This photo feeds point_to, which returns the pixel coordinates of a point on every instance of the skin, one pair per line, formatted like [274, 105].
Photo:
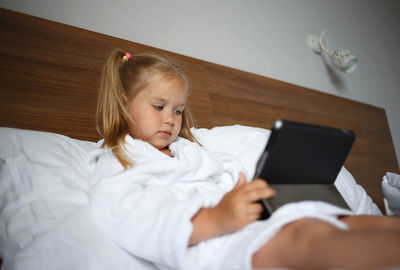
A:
[156, 112]
[237, 209]
[372, 242]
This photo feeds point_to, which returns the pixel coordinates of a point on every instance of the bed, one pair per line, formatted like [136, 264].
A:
[49, 77]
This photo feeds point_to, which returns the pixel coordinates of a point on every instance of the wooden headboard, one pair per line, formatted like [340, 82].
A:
[49, 76]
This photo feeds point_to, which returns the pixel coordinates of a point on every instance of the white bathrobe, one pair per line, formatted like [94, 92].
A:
[147, 210]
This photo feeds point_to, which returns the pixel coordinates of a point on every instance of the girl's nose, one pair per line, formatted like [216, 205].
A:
[169, 118]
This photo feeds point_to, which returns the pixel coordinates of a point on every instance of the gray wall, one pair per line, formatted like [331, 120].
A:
[266, 37]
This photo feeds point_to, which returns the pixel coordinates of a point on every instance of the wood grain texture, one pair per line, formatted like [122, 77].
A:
[49, 75]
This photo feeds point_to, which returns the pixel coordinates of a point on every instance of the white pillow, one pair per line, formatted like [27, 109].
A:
[244, 142]
[40, 183]
[391, 191]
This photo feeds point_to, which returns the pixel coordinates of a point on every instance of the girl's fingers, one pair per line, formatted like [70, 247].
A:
[241, 181]
[259, 183]
[255, 185]
[254, 209]
[256, 194]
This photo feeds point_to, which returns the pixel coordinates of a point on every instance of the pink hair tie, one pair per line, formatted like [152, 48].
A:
[126, 57]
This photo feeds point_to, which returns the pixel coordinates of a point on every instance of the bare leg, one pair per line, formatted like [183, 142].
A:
[372, 222]
[314, 244]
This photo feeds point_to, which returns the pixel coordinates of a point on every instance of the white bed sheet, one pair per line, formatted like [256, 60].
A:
[45, 220]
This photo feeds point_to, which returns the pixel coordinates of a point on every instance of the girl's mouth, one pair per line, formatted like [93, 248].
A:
[165, 133]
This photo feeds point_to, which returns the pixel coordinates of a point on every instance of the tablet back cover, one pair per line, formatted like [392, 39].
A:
[303, 153]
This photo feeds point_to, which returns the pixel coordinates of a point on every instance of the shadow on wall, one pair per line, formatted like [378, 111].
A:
[335, 77]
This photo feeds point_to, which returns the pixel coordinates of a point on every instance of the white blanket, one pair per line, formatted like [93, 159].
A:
[46, 220]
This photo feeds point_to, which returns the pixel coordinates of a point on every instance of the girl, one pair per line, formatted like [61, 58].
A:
[173, 205]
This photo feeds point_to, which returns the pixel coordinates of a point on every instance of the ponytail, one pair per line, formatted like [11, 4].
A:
[111, 112]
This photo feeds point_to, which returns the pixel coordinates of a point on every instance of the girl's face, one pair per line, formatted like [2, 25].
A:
[156, 111]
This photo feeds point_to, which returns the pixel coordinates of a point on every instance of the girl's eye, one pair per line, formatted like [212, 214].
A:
[178, 112]
[158, 107]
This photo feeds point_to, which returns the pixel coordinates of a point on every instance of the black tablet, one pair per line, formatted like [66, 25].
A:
[303, 153]
[301, 162]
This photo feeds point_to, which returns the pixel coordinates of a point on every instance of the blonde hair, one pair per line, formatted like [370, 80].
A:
[126, 78]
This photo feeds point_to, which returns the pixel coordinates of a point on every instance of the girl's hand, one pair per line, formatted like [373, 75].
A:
[239, 207]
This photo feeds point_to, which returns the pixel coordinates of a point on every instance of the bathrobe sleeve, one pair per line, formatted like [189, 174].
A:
[151, 222]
